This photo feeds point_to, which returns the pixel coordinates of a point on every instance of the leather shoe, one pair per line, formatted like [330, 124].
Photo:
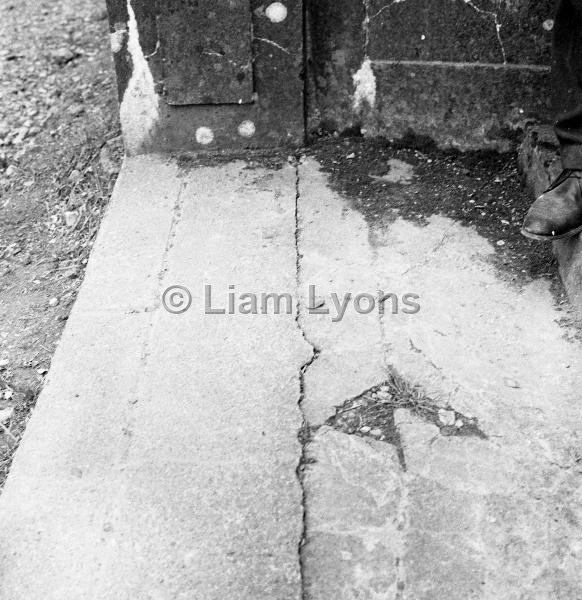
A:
[557, 213]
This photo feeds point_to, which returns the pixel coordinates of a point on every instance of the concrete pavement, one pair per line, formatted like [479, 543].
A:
[197, 456]
[161, 460]
[468, 517]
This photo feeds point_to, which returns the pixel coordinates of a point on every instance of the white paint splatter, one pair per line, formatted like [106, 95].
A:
[247, 129]
[118, 37]
[140, 106]
[365, 83]
[276, 12]
[204, 135]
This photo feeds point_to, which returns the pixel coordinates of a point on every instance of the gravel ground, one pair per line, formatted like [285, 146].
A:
[59, 153]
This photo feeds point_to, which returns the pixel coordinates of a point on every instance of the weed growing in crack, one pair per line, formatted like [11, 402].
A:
[372, 414]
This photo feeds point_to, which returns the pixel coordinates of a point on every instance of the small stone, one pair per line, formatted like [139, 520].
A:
[5, 269]
[71, 273]
[501, 243]
[63, 55]
[459, 423]
[376, 433]
[75, 176]
[6, 414]
[107, 160]
[76, 109]
[75, 200]
[20, 135]
[71, 217]
[365, 429]
[25, 258]
[351, 156]
[53, 302]
[447, 417]
[99, 15]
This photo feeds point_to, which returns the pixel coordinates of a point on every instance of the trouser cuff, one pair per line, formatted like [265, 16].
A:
[571, 156]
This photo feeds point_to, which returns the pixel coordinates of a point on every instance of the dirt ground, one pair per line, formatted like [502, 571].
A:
[59, 155]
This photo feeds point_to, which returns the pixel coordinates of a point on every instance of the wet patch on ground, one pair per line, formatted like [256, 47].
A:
[372, 414]
[478, 189]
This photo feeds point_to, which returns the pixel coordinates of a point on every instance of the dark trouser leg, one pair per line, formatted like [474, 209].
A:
[567, 81]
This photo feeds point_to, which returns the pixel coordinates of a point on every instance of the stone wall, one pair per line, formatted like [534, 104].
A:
[465, 73]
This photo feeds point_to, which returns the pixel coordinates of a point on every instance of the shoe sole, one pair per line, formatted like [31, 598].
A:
[551, 238]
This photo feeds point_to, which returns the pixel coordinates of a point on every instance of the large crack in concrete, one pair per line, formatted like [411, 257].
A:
[419, 462]
[304, 433]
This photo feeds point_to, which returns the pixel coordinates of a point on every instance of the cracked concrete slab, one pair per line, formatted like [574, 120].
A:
[486, 517]
[161, 460]
[335, 258]
[353, 538]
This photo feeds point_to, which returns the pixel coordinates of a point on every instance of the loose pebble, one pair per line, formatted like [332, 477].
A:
[447, 417]
[6, 414]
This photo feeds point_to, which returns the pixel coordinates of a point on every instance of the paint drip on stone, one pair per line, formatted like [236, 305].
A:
[118, 37]
[365, 84]
[140, 105]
